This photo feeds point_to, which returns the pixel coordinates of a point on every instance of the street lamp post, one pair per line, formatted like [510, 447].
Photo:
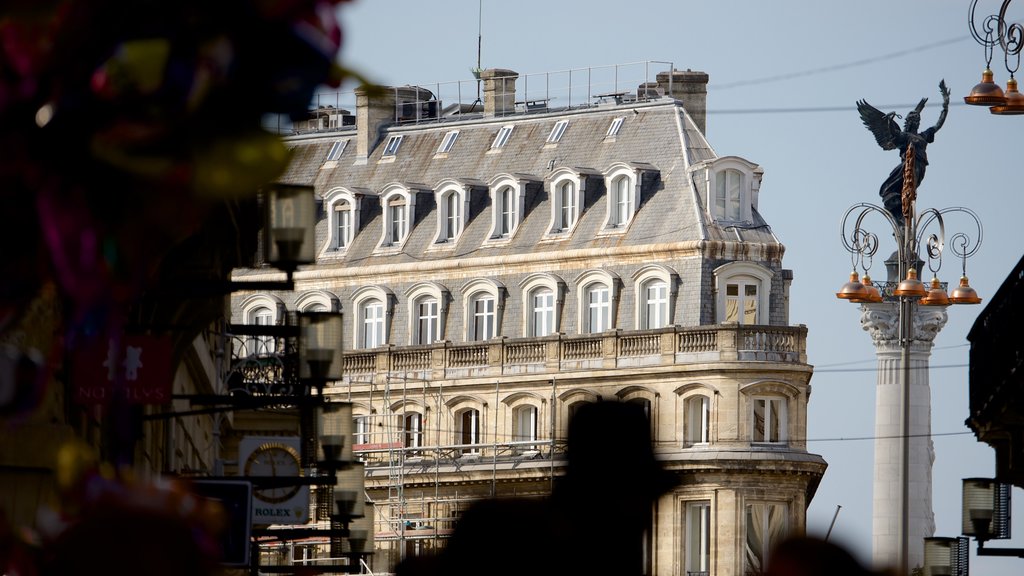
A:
[908, 294]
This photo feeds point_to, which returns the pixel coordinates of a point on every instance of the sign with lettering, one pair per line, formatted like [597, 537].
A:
[135, 368]
[274, 456]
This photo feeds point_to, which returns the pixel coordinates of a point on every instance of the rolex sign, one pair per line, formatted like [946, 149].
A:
[274, 457]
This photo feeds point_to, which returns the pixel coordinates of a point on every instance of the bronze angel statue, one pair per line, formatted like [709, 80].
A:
[889, 136]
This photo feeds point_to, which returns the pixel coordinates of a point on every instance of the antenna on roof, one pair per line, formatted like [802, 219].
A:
[479, 43]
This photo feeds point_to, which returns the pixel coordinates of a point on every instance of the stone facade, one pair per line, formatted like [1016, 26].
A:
[489, 287]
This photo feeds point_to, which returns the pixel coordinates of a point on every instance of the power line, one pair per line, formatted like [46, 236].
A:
[936, 366]
[808, 109]
[835, 67]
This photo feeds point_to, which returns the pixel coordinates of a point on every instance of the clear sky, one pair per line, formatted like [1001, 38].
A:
[784, 79]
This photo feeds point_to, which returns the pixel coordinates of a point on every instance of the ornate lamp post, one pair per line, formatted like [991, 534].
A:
[996, 31]
[903, 319]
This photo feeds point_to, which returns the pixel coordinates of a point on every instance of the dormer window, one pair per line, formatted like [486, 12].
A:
[623, 183]
[448, 142]
[743, 293]
[557, 131]
[398, 210]
[502, 138]
[621, 200]
[343, 225]
[392, 146]
[505, 211]
[567, 192]
[452, 200]
[342, 208]
[728, 184]
[398, 220]
[336, 150]
[729, 188]
[613, 129]
[567, 205]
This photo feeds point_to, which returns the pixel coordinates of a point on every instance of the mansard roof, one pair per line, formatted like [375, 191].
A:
[658, 139]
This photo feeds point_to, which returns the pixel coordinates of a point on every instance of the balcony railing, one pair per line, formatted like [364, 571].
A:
[560, 352]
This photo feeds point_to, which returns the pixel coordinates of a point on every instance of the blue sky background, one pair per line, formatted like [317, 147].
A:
[784, 79]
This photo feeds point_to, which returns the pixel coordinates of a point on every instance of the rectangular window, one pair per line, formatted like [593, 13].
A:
[470, 430]
[508, 211]
[766, 527]
[622, 202]
[543, 313]
[413, 430]
[502, 138]
[362, 430]
[741, 309]
[428, 322]
[453, 219]
[656, 300]
[447, 142]
[398, 223]
[567, 198]
[727, 195]
[343, 232]
[483, 319]
[557, 131]
[336, 150]
[392, 146]
[613, 130]
[697, 546]
[373, 324]
[768, 421]
[600, 308]
[698, 420]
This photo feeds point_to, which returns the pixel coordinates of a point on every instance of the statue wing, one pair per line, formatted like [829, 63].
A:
[881, 125]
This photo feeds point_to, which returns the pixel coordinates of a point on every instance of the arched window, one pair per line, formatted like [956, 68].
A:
[524, 426]
[261, 345]
[371, 313]
[743, 293]
[543, 298]
[343, 218]
[655, 288]
[467, 423]
[622, 202]
[728, 184]
[697, 420]
[506, 211]
[599, 308]
[453, 218]
[428, 320]
[412, 427]
[483, 309]
[542, 312]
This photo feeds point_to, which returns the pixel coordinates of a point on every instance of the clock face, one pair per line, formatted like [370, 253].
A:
[274, 459]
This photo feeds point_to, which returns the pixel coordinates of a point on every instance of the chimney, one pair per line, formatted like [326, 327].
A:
[381, 106]
[690, 88]
[499, 91]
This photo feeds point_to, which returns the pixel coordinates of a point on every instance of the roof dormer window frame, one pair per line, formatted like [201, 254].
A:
[508, 199]
[731, 189]
[614, 127]
[398, 207]
[341, 203]
[391, 148]
[337, 149]
[449, 195]
[623, 185]
[447, 143]
[557, 131]
[564, 218]
[502, 137]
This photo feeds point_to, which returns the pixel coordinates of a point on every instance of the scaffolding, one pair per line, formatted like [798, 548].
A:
[420, 491]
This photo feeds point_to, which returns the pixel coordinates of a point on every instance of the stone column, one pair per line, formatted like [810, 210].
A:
[882, 322]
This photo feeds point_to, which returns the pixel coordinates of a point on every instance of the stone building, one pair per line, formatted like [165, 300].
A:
[497, 264]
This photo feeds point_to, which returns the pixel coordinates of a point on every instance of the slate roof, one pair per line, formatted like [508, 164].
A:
[659, 134]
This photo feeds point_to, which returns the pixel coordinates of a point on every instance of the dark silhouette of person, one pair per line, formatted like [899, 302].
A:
[594, 521]
[807, 556]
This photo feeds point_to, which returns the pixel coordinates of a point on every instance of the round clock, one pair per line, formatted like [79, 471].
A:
[274, 459]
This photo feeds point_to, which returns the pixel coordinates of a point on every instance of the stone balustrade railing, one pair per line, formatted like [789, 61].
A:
[611, 349]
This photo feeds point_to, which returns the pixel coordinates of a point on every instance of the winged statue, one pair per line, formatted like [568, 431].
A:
[890, 136]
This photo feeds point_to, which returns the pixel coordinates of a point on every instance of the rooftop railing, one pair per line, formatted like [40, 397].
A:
[613, 84]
